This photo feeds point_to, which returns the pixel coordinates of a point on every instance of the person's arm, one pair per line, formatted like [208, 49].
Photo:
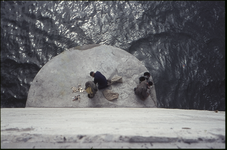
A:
[95, 81]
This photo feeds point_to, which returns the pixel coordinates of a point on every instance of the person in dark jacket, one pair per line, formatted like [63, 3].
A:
[142, 89]
[100, 79]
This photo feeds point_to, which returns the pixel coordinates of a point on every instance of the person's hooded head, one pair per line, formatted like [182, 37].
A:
[150, 83]
[142, 79]
[92, 74]
[147, 74]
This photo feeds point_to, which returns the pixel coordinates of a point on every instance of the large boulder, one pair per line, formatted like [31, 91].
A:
[52, 85]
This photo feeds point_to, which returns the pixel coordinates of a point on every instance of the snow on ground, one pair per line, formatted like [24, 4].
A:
[111, 128]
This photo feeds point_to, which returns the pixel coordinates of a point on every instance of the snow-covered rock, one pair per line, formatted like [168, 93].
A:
[52, 85]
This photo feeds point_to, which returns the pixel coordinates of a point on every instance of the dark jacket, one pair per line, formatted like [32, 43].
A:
[141, 90]
[100, 79]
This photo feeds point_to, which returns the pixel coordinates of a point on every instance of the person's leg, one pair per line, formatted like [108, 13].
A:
[109, 82]
[102, 87]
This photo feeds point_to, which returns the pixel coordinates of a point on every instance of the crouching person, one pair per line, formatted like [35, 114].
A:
[91, 89]
[142, 90]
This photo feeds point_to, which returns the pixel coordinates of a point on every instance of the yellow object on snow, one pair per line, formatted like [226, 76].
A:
[89, 91]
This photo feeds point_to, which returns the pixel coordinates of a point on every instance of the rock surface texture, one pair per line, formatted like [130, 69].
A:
[52, 85]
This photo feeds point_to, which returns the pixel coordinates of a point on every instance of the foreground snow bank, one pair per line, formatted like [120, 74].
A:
[111, 128]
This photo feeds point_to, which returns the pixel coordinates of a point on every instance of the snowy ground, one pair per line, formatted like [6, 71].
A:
[111, 128]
